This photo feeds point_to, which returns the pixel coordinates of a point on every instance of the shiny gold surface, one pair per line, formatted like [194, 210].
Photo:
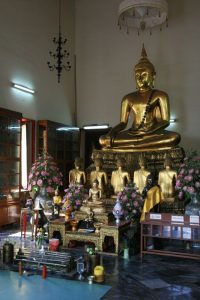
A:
[99, 217]
[166, 179]
[153, 197]
[82, 237]
[154, 159]
[99, 174]
[140, 175]
[77, 175]
[119, 177]
[93, 203]
[151, 112]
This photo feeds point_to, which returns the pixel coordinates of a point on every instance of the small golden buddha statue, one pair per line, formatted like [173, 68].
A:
[93, 203]
[167, 179]
[57, 200]
[119, 177]
[150, 109]
[77, 175]
[99, 174]
[140, 175]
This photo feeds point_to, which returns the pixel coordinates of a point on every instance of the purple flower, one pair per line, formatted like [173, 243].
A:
[180, 195]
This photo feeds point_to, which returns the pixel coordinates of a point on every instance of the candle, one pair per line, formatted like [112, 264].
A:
[44, 272]
[20, 268]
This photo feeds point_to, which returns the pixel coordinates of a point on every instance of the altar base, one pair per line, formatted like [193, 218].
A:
[154, 159]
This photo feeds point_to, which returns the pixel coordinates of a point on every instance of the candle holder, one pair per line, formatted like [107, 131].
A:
[90, 279]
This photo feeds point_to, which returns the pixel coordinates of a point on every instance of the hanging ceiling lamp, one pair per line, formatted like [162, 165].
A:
[142, 14]
[59, 53]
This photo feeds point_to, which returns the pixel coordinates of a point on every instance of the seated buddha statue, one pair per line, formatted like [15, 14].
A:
[93, 203]
[119, 177]
[140, 175]
[99, 174]
[77, 175]
[167, 179]
[150, 110]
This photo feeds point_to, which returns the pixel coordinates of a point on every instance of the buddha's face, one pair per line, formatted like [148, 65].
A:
[144, 78]
[95, 184]
[97, 163]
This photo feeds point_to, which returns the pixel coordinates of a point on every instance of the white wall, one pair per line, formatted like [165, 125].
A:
[106, 57]
[27, 28]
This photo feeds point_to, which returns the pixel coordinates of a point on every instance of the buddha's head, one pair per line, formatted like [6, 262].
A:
[98, 162]
[78, 162]
[144, 72]
[168, 162]
[120, 162]
[141, 161]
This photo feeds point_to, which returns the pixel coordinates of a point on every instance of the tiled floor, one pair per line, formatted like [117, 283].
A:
[157, 277]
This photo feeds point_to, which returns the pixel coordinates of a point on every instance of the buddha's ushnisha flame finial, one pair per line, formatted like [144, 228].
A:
[144, 61]
[143, 53]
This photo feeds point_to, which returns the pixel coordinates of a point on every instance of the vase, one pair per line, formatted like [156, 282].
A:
[43, 200]
[117, 211]
[193, 208]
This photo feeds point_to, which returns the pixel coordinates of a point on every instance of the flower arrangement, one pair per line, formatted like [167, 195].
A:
[188, 178]
[44, 173]
[131, 201]
[74, 197]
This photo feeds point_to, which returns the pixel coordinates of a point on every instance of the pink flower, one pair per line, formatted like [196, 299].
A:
[29, 187]
[39, 182]
[49, 189]
[190, 189]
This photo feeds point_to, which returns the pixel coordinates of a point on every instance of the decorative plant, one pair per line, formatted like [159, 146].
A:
[91, 250]
[131, 201]
[44, 173]
[188, 179]
[40, 237]
[74, 197]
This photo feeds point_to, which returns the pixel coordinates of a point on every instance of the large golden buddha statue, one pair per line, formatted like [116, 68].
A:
[150, 109]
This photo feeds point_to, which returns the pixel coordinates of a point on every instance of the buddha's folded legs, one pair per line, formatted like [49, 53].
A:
[159, 140]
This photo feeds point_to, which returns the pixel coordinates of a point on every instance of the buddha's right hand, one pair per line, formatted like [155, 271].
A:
[105, 141]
